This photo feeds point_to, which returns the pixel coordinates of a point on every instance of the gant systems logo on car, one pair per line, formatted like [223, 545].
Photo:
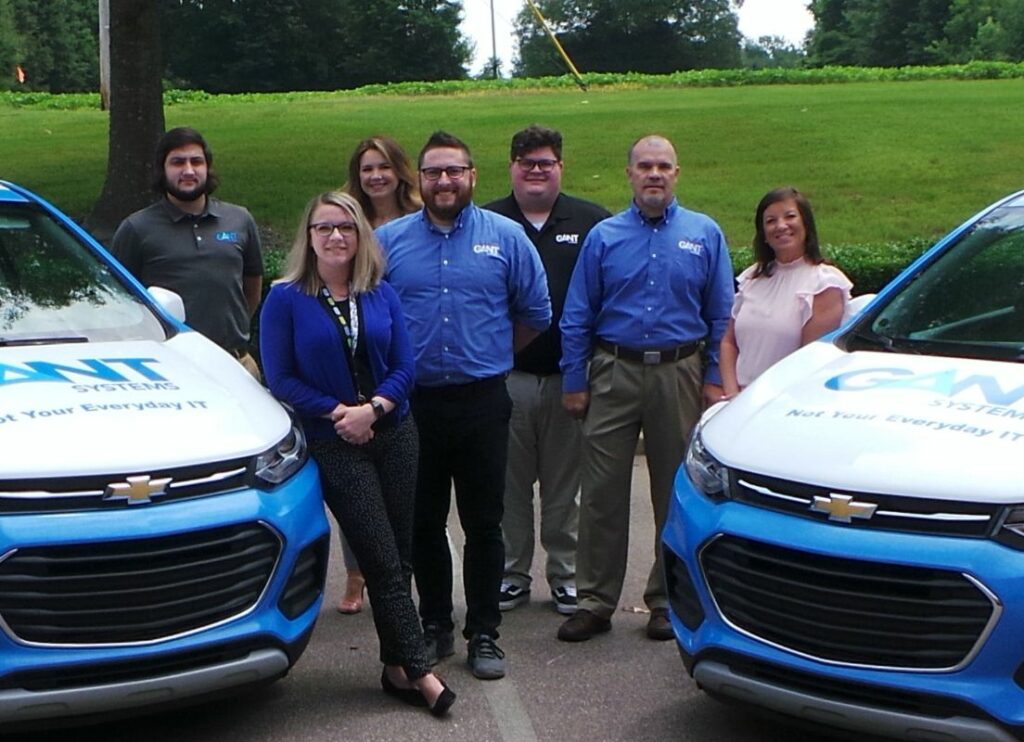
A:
[946, 383]
[89, 374]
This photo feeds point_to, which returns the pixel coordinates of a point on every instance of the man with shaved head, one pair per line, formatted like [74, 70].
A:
[647, 306]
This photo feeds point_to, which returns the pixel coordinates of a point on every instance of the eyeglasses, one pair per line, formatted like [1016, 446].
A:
[454, 172]
[326, 229]
[526, 164]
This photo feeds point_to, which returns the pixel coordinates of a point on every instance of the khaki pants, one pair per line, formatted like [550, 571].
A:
[662, 400]
[249, 364]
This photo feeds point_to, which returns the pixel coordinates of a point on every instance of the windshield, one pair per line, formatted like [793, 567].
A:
[970, 301]
[54, 289]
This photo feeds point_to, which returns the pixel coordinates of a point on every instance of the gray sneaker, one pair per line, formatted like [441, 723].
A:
[485, 660]
[439, 643]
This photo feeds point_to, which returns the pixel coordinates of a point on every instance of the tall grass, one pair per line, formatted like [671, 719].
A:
[881, 161]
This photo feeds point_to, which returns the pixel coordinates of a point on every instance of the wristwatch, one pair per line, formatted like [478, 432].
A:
[378, 409]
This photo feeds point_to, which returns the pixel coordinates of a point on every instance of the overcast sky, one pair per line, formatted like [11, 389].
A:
[789, 19]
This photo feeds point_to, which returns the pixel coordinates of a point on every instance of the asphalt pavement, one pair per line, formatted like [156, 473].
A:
[617, 686]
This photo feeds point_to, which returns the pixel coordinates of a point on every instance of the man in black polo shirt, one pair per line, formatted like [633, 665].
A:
[544, 441]
[204, 249]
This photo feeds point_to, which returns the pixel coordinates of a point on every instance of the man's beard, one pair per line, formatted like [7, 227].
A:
[193, 194]
[462, 199]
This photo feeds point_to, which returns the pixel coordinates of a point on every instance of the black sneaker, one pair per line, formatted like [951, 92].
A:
[512, 596]
[438, 642]
[565, 599]
[485, 660]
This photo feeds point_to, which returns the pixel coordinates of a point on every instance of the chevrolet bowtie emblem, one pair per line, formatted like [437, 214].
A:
[137, 490]
[843, 508]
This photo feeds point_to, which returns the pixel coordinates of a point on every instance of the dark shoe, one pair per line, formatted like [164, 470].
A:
[444, 701]
[512, 596]
[410, 696]
[438, 643]
[485, 660]
[565, 599]
[659, 627]
[583, 625]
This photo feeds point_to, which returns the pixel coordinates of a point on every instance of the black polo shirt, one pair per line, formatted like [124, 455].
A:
[558, 243]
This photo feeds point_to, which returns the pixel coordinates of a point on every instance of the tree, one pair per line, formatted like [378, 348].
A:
[10, 45]
[770, 51]
[136, 113]
[629, 35]
[272, 45]
[58, 43]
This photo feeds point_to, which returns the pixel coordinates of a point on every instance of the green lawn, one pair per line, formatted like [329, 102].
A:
[880, 161]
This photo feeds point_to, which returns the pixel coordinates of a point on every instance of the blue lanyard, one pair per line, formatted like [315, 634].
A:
[351, 327]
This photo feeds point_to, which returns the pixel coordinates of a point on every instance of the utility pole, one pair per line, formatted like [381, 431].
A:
[104, 54]
[494, 45]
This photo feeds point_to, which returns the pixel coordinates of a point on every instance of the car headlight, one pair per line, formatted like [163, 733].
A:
[1011, 530]
[707, 473]
[281, 461]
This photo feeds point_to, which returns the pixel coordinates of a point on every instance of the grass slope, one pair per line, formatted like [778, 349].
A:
[880, 161]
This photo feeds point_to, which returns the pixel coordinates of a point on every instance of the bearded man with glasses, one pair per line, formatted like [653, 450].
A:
[544, 441]
[473, 291]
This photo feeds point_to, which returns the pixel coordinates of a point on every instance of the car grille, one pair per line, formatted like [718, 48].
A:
[848, 611]
[119, 490]
[135, 591]
[890, 512]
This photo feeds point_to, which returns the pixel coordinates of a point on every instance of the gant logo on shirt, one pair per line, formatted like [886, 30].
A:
[692, 247]
[492, 250]
[227, 237]
[572, 239]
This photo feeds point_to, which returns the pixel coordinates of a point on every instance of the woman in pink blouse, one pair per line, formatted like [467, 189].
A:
[789, 297]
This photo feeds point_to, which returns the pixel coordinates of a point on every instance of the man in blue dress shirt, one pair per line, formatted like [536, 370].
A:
[647, 306]
[473, 291]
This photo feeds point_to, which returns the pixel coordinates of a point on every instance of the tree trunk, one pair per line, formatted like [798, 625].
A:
[136, 113]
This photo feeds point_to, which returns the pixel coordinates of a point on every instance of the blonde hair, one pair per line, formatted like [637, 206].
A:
[367, 266]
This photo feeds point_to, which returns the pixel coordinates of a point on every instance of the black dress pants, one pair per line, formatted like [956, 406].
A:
[463, 439]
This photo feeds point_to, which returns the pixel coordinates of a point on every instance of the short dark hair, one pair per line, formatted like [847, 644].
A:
[171, 140]
[440, 139]
[763, 253]
[535, 137]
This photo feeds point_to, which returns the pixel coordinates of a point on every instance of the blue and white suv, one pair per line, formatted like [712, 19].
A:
[846, 541]
[162, 532]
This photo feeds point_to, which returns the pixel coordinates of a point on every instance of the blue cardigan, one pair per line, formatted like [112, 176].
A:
[305, 363]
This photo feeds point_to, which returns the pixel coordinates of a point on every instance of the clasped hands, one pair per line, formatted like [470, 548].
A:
[353, 424]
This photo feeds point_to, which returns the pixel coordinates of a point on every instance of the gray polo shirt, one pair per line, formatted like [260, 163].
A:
[202, 258]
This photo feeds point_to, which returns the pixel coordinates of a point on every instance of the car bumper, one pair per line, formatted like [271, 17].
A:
[257, 643]
[979, 699]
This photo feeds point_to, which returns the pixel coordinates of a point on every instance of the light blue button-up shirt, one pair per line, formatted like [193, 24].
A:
[647, 286]
[462, 291]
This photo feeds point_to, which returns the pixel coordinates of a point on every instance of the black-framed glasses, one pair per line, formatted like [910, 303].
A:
[454, 172]
[526, 164]
[326, 229]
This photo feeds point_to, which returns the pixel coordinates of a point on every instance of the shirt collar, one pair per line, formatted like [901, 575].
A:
[670, 212]
[460, 220]
[177, 215]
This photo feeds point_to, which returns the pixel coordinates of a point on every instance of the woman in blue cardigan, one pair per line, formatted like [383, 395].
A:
[334, 346]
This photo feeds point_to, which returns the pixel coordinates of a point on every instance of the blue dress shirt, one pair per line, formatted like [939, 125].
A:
[647, 286]
[462, 292]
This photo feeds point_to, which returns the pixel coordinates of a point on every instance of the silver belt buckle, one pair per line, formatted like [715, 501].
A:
[652, 357]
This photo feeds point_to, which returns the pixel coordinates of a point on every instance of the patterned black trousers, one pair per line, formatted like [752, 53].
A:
[371, 489]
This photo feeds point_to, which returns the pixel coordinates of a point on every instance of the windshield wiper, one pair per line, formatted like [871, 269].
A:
[11, 342]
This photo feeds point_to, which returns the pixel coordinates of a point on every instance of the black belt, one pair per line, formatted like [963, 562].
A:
[650, 357]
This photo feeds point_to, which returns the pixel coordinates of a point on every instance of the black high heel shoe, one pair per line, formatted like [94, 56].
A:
[410, 696]
[444, 701]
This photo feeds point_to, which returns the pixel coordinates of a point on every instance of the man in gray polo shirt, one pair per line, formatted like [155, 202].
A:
[204, 249]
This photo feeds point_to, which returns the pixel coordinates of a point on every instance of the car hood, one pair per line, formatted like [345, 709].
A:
[94, 408]
[945, 428]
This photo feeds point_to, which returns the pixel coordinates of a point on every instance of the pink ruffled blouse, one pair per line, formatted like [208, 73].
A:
[771, 311]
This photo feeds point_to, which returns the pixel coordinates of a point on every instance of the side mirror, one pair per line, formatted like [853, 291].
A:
[856, 305]
[169, 301]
